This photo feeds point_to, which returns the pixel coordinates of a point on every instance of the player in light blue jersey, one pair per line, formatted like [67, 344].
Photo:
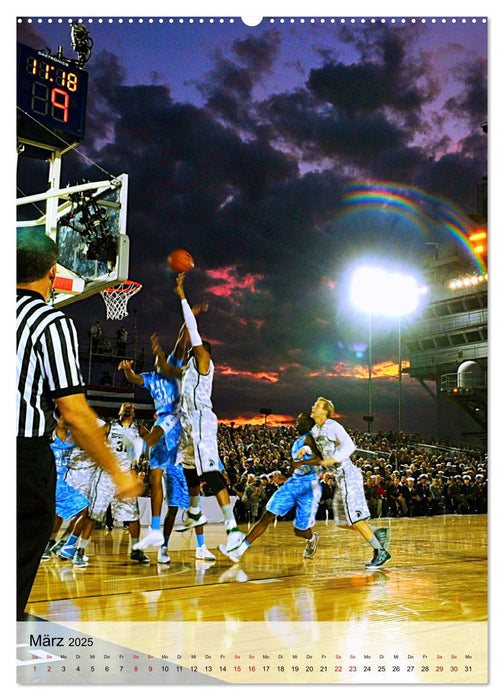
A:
[302, 492]
[70, 504]
[165, 392]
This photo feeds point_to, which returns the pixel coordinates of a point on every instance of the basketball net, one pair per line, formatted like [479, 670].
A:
[116, 299]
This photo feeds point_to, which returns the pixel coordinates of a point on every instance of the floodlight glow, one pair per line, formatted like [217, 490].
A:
[377, 291]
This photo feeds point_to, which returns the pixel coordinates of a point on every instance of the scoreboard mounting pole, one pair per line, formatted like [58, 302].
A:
[51, 224]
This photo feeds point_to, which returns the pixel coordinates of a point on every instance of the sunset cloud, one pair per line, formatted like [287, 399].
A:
[227, 371]
[344, 369]
[274, 421]
[230, 282]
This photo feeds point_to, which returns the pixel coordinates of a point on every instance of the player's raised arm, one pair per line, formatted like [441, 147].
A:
[183, 336]
[201, 354]
[166, 368]
[131, 376]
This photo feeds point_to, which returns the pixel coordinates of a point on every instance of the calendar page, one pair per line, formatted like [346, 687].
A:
[314, 499]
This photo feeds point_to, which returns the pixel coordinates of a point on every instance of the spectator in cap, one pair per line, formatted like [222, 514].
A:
[422, 496]
[380, 494]
[396, 498]
[254, 498]
[466, 497]
[437, 500]
[409, 492]
[371, 496]
[239, 509]
[451, 494]
[480, 494]
[270, 486]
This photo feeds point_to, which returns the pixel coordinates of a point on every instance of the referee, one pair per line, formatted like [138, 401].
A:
[48, 377]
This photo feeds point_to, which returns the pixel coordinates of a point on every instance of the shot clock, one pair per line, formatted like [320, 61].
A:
[51, 99]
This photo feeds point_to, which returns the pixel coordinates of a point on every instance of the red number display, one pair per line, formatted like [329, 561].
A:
[59, 101]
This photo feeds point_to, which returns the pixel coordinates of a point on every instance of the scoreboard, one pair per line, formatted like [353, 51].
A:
[51, 98]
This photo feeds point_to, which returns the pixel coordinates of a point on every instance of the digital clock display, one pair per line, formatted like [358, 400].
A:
[51, 98]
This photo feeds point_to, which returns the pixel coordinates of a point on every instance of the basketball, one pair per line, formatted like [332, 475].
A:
[181, 261]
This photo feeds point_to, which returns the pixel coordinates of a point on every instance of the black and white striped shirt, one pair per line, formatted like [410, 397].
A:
[47, 363]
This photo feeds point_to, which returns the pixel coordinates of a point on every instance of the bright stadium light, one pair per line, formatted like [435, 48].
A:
[379, 292]
[383, 293]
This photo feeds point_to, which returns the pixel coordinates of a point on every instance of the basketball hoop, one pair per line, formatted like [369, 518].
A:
[116, 299]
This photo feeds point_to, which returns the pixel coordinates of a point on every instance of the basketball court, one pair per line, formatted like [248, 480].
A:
[426, 609]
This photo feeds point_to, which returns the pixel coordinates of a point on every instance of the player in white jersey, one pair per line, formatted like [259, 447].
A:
[198, 451]
[79, 474]
[162, 441]
[124, 438]
[349, 503]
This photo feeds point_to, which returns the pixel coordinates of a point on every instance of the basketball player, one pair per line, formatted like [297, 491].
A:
[70, 504]
[197, 450]
[301, 491]
[349, 502]
[125, 441]
[79, 474]
[164, 387]
[177, 496]
[165, 392]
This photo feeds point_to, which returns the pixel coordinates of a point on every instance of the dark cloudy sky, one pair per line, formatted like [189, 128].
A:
[240, 144]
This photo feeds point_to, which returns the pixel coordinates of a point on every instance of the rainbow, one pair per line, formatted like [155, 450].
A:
[426, 213]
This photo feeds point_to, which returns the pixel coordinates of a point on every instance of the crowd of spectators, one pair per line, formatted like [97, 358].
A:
[404, 475]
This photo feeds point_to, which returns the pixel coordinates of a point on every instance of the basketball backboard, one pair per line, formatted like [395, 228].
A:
[88, 221]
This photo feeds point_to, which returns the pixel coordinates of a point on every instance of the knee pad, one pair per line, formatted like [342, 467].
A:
[191, 477]
[215, 481]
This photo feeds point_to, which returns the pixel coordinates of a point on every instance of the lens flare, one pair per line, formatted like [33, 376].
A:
[425, 213]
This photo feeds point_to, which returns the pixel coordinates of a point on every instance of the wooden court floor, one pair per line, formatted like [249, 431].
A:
[437, 573]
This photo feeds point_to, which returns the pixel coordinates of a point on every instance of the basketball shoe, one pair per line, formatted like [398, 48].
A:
[379, 559]
[139, 556]
[48, 550]
[79, 559]
[153, 537]
[190, 520]
[204, 553]
[311, 547]
[163, 557]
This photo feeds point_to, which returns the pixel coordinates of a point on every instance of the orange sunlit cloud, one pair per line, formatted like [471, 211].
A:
[343, 369]
[380, 370]
[227, 371]
[274, 421]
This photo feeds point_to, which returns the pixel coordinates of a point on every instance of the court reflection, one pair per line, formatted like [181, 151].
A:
[437, 573]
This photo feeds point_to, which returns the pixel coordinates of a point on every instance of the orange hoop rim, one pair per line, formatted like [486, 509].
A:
[129, 286]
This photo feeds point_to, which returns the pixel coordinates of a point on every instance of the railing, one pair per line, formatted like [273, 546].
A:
[439, 357]
[468, 380]
[464, 320]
